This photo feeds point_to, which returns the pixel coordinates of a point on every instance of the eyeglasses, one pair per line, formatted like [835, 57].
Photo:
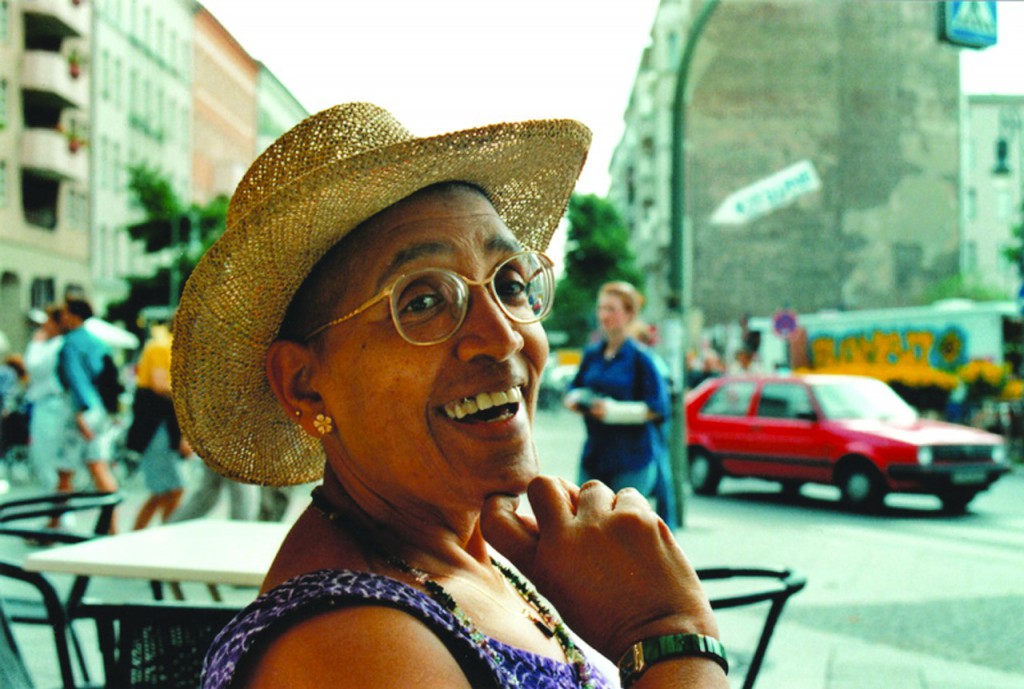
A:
[428, 306]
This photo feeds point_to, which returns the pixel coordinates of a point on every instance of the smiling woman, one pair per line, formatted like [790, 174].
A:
[371, 317]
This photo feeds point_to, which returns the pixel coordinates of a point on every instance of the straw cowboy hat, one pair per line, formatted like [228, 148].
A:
[307, 191]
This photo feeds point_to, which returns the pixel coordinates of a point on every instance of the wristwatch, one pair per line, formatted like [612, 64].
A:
[643, 654]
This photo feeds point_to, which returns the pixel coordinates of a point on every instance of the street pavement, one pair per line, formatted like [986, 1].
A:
[827, 637]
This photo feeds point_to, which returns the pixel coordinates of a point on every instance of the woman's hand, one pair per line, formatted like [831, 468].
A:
[605, 560]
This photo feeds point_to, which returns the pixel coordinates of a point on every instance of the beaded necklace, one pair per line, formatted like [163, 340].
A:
[550, 624]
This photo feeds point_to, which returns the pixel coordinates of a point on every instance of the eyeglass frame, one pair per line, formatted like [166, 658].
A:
[388, 291]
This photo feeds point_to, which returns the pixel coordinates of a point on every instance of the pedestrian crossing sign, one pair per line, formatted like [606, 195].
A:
[971, 24]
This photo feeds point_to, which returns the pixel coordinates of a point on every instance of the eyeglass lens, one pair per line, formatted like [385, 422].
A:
[430, 305]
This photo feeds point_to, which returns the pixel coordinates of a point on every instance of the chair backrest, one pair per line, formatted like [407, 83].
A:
[22, 517]
[13, 673]
[27, 518]
[50, 612]
[158, 645]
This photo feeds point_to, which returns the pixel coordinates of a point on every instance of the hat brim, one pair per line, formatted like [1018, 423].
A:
[235, 300]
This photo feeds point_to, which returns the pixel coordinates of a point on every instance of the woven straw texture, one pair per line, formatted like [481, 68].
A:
[300, 197]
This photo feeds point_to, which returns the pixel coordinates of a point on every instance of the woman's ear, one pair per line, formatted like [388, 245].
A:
[289, 367]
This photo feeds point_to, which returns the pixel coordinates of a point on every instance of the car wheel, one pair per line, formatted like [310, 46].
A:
[956, 503]
[861, 489]
[705, 473]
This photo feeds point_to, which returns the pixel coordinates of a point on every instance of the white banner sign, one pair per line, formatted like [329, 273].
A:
[768, 194]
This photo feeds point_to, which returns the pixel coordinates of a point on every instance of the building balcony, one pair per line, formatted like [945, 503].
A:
[51, 154]
[63, 18]
[47, 80]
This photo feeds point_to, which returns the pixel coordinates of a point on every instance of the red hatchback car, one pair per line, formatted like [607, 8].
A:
[852, 432]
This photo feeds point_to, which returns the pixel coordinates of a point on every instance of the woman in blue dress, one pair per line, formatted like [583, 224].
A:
[624, 400]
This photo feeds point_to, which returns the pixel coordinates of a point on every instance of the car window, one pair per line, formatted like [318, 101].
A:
[862, 398]
[784, 401]
[732, 399]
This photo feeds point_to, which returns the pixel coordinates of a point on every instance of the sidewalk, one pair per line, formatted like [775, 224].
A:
[805, 657]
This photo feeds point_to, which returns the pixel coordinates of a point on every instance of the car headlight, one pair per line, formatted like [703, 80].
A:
[924, 456]
[999, 454]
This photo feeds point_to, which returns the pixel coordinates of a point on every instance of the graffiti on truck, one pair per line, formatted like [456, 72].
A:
[944, 349]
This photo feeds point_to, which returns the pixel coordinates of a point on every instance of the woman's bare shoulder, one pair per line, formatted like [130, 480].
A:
[361, 646]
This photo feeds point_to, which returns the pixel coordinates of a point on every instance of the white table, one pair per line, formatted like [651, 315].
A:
[208, 551]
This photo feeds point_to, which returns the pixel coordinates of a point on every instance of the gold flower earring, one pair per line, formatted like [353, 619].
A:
[323, 424]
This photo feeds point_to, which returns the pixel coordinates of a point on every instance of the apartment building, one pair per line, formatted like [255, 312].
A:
[863, 94]
[992, 145]
[143, 66]
[44, 166]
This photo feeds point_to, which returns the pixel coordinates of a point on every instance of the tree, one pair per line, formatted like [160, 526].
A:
[962, 287]
[170, 226]
[1015, 252]
[597, 251]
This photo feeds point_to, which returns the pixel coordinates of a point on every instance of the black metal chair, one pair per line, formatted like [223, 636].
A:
[13, 673]
[156, 645]
[28, 519]
[783, 584]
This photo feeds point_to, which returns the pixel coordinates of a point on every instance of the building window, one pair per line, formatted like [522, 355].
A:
[158, 114]
[3, 103]
[105, 75]
[970, 255]
[116, 168]
[1004, 208]
[5, 20]
[116, 82]
[43, 293]
[133, 95]
[77, 210]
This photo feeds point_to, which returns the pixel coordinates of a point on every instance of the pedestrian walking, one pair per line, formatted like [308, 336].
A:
[243, 498]
[154, 431]
[49, 414]
[81, 364]
[623, 399]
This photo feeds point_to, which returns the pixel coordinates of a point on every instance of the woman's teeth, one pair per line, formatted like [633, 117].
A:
[467, 406]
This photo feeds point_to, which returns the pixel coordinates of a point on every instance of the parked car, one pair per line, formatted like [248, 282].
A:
[852, 432]
[554, 383]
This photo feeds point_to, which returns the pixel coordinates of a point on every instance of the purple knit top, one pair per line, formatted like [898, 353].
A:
[323, 590]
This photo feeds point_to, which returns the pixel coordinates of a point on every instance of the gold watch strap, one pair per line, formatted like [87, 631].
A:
[643, 654]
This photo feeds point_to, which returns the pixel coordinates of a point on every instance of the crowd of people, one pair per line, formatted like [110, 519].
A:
[64, 413]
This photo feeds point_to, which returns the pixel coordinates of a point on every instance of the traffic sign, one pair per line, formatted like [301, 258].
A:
[970, 24]
[784, 323]
[764, 196]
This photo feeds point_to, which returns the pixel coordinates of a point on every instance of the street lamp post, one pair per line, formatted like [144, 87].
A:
[679, 291]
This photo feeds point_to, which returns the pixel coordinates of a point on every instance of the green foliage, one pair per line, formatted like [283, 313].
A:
[961, 287]
[168, 221]
[597, 251]
[1015, 252]
[152, 192]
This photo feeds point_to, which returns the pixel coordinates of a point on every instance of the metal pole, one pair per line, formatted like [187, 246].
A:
[679, 297]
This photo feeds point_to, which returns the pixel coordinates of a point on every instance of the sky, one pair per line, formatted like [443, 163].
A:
[442, 65]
